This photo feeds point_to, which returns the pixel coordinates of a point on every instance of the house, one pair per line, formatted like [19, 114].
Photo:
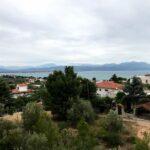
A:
[21, 90]
[108, 88]
[22, 87]
[145, 79]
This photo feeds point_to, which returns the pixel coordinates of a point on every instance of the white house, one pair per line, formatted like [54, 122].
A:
[108, 88]
[22, 87]
[21, 90]
[145, 79]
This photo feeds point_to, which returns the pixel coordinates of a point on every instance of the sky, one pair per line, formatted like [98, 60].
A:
[34, 32]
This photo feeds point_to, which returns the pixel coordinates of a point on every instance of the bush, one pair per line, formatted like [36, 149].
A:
[101, 104]
[15, 138]
[10, 135]
[85, 140]
[81, 110]
[67, 139]
[45, 126]
[35, 119]
[111, 129]
[31, 115]
[36, 142]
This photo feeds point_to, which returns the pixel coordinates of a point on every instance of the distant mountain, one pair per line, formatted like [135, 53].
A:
[47, 65]
[127, 66]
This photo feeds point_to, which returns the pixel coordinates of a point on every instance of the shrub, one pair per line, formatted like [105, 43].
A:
[36, 142]
[15, 138]
[10, 135]
[67, 139]
[81, 109]
[101, 104]
[31, 115]
[85, 140]
[45, 126]
[111, 129]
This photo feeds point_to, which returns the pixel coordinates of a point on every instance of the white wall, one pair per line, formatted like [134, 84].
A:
[109, 92]
[22, 88]
[145, 79]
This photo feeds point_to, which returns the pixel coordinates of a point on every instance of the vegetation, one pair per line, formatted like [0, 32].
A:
[4, 91]
[117, 79]
[76, 122]
[144, 143]
[64, 89]
[135, 91]
[88, 90]
[111, 129]
[102, 104]
[82, 109]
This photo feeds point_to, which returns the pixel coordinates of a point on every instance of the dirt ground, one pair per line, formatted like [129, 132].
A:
[141, 126]
[16, 117]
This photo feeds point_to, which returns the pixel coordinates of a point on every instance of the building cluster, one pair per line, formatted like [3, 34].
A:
[23, 89]
[110, 88]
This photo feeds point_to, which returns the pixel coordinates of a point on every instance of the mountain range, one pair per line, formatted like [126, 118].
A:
[127, 66]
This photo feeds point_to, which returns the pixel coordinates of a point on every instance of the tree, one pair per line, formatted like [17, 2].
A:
[4, 91]
[111, 129]
[119, 97]
[114, 78]
[81, 110]
[88, 90]
[64, 89]
[134, 87]
[134, 91]
[117, 79]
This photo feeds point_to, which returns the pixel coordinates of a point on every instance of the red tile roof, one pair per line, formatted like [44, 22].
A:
[16, 91]
[109, 85]
[22, 84]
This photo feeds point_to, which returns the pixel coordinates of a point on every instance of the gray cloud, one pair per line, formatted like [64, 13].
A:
[82, 31]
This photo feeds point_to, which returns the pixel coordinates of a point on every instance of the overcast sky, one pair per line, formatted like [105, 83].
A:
[34, 32]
